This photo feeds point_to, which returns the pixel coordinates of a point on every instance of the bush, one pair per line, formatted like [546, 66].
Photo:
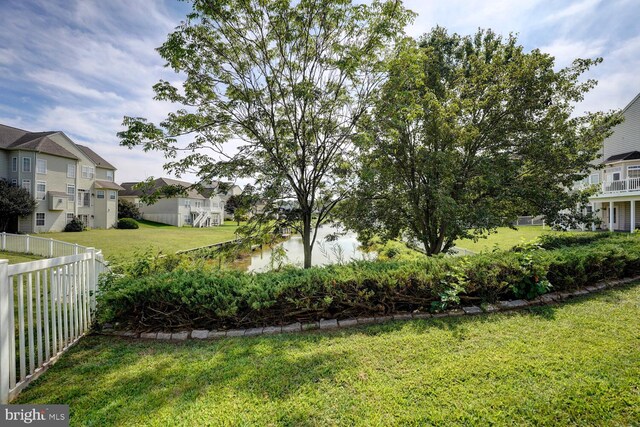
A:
[127, 209]
[154, 294]
[74, 225]
[127, 224]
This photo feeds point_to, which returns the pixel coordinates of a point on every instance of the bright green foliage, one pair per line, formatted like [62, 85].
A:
[470, 132]
[573, 364]
[288, 80]
[15, 202]
[152, 295]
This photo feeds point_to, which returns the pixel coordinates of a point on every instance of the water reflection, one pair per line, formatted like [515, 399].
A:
[344, 249]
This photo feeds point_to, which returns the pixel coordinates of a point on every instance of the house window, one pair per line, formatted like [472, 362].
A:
[26, 184]
[40, 219]
[69, 217]
[41, 189]
[14, 164]
[100, 194]
[87, 172]
[84, 198]
[26, 164]
[112, 195]
[41, 166]
[109, 175]
[71, 192]
[594, 179]
[187, 203]
[71, 170]
[633, 171]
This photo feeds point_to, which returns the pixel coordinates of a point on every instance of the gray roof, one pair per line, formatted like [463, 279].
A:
[158, 184]
[631, 155]
[95, 158]
[17, 139]
[108, 184]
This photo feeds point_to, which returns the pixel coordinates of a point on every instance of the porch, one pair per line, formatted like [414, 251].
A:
[617, 214]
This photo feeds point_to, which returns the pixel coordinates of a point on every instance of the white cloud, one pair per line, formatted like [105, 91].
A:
[573, 10]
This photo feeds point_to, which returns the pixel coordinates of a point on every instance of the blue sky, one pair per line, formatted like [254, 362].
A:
[80, 65]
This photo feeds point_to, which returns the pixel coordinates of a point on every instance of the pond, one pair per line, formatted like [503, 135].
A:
[345, 249]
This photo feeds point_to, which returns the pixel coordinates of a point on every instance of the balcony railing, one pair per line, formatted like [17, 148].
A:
[622, 186]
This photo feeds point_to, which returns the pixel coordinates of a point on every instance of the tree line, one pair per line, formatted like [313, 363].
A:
[336, 113]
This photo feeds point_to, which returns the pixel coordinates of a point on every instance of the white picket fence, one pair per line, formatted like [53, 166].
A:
[45, 306]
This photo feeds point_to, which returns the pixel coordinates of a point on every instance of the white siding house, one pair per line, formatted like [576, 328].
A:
[619, 180]
[195, 209]
[64, 178]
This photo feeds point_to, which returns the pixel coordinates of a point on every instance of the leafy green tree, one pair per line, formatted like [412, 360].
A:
[287, 81]
[15, 202]
[467, 133]
[127, 209]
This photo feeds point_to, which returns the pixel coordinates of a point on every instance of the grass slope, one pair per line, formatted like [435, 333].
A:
[15, 258]
[505, 238]
[122, 244]
[573, 364]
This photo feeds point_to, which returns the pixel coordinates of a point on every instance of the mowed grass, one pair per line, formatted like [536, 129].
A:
[506, 238]
[123, 244]
[572, 364]
[15, 258]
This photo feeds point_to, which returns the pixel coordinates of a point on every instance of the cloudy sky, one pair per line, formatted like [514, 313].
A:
[80, 65]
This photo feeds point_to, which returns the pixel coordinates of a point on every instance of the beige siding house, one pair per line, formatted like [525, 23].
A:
[193, 209]
[65, 178]
[619, 180]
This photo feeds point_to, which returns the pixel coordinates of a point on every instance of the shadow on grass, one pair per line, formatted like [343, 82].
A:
[113, 381]
[110, 379]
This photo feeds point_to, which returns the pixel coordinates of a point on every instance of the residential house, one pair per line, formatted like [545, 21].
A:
[224, 190]
[619, 179]
[194, 208]
[65, 178]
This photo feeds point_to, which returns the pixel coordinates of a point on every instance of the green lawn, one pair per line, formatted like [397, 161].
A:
[15, 258]
[572, 364]
[122, 244]
[505, 238]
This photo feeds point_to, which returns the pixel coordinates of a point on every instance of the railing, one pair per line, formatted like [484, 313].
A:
[24, 243]
[45, 307]
[621, 186]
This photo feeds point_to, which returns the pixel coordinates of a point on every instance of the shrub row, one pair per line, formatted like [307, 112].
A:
[175, 297]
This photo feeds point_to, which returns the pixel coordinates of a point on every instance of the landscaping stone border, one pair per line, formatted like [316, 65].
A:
[329, 324]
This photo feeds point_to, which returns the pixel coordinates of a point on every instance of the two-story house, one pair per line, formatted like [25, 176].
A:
[65, 178]
[619, 180]
[194, 208]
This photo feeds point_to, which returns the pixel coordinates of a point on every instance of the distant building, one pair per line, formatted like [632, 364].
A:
[65, 178]
[195, 208]
[619, 180]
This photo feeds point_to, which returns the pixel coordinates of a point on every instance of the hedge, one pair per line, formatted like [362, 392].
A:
[173, 296]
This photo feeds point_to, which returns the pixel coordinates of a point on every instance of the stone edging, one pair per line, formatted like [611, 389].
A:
[327, 324]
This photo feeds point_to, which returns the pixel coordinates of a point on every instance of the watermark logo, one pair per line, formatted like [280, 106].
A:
[34, 415]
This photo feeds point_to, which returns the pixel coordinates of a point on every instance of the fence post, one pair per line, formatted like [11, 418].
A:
[75, 250]
[93, 277]
[5, 324]
[50, 248]
[4, 241]
[27, 244]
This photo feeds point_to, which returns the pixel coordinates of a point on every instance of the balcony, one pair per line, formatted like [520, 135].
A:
[629, 185]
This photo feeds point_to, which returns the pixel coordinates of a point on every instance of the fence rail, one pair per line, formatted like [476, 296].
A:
[45, 306]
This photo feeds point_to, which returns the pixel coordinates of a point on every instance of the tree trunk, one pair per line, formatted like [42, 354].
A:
[306, 238]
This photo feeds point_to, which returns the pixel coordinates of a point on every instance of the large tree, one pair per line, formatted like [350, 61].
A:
[15, 202]
[469, 132]
[286, 81]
